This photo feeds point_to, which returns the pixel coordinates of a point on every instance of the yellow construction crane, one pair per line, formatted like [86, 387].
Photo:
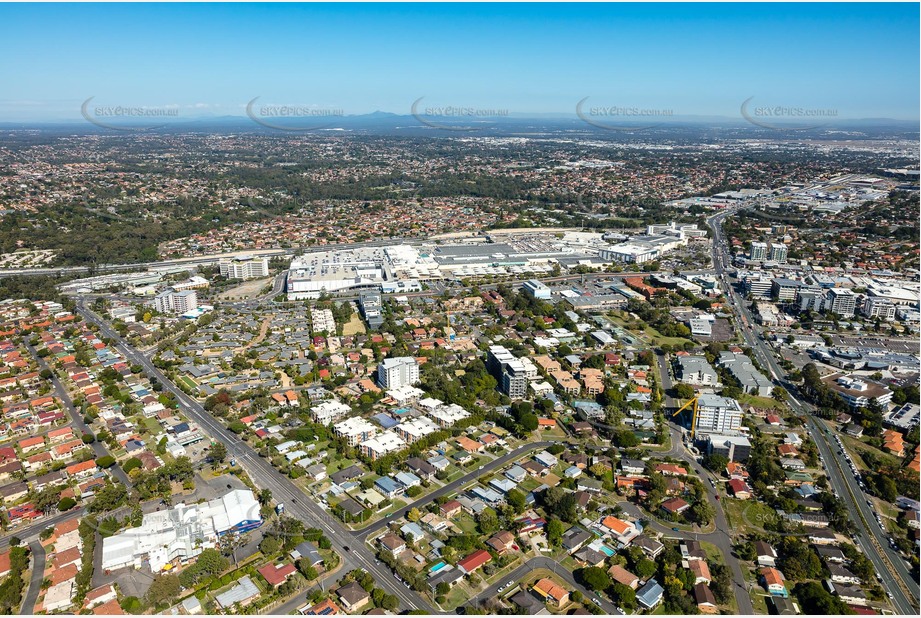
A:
[693, 418]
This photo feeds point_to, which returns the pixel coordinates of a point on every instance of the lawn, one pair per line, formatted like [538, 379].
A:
[339, 464]
[714, 555]
[458, 596]
[189, 383]
[529, 484]
[762, 402]
[747, 515]
[858, 447]
[153, 427]
[658, 339]
[466, 523]
[759, 602]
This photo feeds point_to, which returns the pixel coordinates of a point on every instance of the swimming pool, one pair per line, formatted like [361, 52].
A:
[438, 567]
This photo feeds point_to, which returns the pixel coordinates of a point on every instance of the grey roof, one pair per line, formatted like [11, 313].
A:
[245, 589]
[650, 594]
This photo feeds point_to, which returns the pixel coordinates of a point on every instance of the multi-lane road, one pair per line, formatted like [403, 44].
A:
[896, 576]
[265, 475]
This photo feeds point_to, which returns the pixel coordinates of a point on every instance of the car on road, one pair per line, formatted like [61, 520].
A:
[596, 601]
[346, 548]
[675, 530]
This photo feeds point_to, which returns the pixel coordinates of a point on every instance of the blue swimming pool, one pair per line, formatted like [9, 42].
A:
[607, 551]
[438, 567]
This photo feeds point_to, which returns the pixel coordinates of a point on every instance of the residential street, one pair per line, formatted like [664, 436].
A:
[265, 475]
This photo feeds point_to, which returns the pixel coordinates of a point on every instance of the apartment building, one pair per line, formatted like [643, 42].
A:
[777, 252]
[695, 370]
[171, 301]
[874, 307]
[245, 268]
[370, 305]
[508, 370]
[718, 414]
[398, 372]
[758, 251]
[355, 430]
[841, 301]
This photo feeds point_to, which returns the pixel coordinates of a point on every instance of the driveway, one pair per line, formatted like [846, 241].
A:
[35, 583]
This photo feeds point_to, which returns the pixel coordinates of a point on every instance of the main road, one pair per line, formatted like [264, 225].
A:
[266, 476]
[896, 576]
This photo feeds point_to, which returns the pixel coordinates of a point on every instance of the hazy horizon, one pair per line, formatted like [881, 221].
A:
[675, 61]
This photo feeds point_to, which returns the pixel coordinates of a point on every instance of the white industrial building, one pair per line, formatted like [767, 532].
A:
[536, 289]
[398, 372]
[630, 252]
[182, 532]
[361, 267]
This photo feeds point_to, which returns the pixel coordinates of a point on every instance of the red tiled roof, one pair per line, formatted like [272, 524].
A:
[475, 560]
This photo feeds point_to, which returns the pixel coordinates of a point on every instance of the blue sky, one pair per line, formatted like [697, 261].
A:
[859, 59]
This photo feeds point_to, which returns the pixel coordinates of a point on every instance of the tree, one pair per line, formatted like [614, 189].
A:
[414, 514]
[702, 512]
[164, 589]
[816, 601]
[487, 522]
[390, 603]
[528, 422]
[624, 596]
[715, 462]
[554, 531]
[595, 578]
[270, 545]
[645, 568]
[66, 504]
[106, 461]
[211, 561]
[684, 391]
[517, 500]
[264, 497]
[218, 452]
[779, 393]
[88, 438]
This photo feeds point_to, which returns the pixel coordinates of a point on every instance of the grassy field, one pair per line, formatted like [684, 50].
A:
[747, 515]
[762, 402]
[858, 447]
